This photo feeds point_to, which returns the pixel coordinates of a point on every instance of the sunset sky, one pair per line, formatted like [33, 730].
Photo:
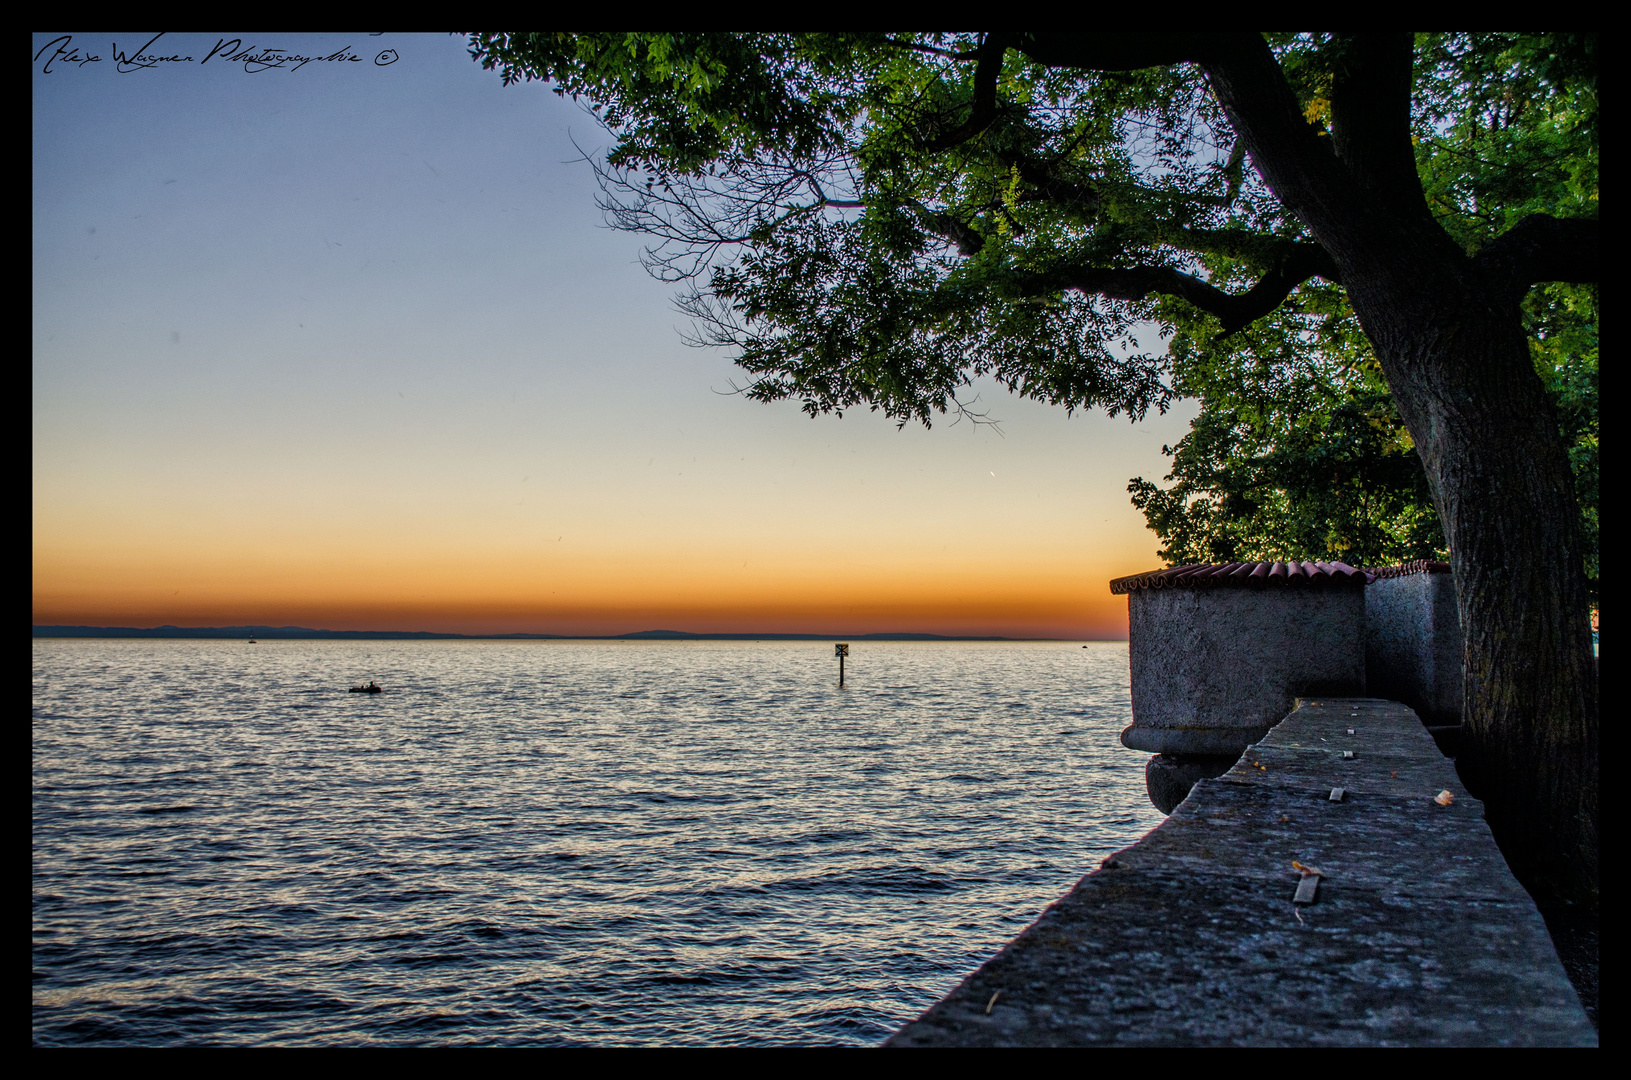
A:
[348, 346]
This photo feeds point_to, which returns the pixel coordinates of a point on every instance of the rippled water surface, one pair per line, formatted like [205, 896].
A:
[553, 842]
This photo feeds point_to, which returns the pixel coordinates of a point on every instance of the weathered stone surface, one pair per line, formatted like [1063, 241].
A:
[1413, 644]
[1213, 669]
[1386, 756]
[1389, 845]
[1420, 936]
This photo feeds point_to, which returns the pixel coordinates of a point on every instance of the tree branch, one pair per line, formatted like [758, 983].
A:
[932, 50]
[1050, 187]
[968, 240]
[1360, 229]
[1235, 311]
[1258, 247]
[1297, 166]
[1113, 52]
[1370, 119]
[825, 200]
[986, 69]
[1542, 248]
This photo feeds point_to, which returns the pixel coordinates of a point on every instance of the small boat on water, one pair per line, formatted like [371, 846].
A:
[371, 688]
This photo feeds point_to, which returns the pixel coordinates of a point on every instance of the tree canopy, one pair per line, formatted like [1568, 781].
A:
[1299, 450]
[1360, 251]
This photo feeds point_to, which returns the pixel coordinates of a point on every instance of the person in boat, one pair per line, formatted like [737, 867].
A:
[373, 687]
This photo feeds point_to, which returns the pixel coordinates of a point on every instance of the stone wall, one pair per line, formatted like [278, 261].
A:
[1213, 669]
[1413, 650]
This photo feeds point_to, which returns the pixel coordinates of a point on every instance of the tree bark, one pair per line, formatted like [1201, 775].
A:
[1465, 384]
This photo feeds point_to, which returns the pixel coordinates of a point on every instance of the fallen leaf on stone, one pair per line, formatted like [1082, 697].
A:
[1307, 871]
[1444, 798]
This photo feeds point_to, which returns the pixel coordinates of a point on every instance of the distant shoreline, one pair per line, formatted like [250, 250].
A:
[302, 633]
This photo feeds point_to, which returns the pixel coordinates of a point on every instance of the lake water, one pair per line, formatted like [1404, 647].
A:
[553, 843]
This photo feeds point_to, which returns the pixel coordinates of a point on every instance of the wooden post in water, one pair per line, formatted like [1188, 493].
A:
[841, 650]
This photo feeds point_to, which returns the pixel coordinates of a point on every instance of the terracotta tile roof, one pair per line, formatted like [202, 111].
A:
[1420, 566]
[1243, 575]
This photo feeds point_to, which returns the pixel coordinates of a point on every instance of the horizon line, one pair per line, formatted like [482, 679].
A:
[303, 632]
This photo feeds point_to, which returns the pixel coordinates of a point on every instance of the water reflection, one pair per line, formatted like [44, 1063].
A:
[553, 842]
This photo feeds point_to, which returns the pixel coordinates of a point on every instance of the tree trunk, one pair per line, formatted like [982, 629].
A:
[1449, 335]
[1456, 357]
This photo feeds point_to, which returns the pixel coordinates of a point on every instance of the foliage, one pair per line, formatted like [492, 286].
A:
[1297, 453]
[1299, 450]
[851, 260]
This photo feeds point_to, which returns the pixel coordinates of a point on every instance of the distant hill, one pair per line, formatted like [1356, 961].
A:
[686, 635]
[245, 632]
[307, 633]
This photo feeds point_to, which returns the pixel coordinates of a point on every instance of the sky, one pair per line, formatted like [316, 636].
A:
[347, 344]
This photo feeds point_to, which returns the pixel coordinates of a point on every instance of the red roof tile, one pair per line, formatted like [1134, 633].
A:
[1243, 575]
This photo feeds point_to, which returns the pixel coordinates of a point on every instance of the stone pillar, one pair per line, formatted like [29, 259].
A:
[1220, 653]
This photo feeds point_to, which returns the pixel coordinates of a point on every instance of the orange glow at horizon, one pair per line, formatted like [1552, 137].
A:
[1039, 605]
[1034, 593]
[695, 557]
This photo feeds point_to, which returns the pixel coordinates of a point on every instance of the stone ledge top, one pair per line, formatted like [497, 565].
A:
[1390, 757]
[1418, 936]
